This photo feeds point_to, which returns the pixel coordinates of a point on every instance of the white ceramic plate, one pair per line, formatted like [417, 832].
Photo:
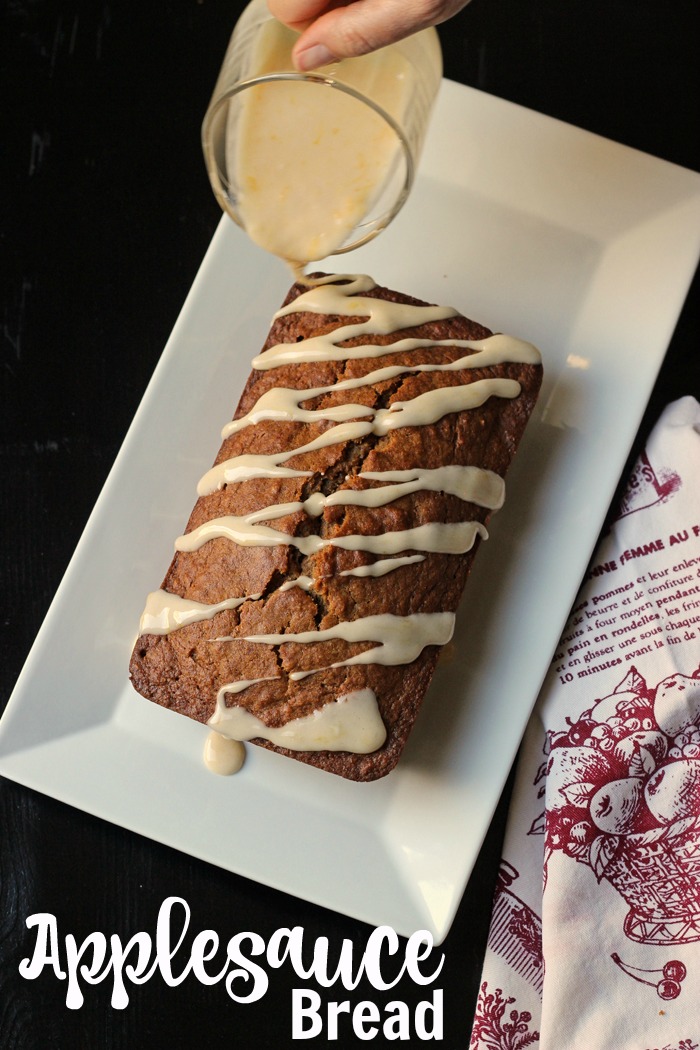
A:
[582, 246]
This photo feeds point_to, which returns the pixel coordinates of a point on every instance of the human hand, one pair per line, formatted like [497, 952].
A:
[335, 29]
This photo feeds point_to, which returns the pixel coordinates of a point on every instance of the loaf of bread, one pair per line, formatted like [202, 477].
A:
[325, 557]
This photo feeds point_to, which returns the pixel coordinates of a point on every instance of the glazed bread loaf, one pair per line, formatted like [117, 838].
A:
[325, 557]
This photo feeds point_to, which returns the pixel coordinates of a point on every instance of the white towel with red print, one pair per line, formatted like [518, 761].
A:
[595, 934]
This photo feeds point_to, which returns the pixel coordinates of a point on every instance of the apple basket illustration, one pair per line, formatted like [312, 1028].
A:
[623, 796]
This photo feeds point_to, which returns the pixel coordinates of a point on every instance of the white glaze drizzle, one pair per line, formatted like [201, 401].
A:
[350, 723]
[247, 467]
[165, 612]
[283, 403]
[383, 566]
[320, 348]
[241, 685]
[380, 317]
[304, 583]
[376, 568]
[400, 639]
[471, 484]
[436, 537]
[423, 410]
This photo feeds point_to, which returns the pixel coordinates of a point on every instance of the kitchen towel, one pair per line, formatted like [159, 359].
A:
[594, 941]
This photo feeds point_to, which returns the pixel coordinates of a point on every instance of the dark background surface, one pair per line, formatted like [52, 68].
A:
[105, 214]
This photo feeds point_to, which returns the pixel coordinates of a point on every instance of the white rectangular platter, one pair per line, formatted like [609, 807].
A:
[533, 227]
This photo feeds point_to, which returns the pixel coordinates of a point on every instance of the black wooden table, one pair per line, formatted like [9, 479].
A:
[105, 214]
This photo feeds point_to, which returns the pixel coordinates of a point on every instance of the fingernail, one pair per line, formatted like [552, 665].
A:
[313, 57]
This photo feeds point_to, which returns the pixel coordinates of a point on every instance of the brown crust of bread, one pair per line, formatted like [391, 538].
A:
[184, 670]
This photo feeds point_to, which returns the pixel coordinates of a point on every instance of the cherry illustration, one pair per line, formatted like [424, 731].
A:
[581, 731]
[675, 970]
[668, 987]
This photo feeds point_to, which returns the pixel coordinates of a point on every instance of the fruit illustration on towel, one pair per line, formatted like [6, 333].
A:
[623, 797]
[673, 792]
[677, 704]
[574, 766]
[636, 745]
[618, 705]
[617, 808]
